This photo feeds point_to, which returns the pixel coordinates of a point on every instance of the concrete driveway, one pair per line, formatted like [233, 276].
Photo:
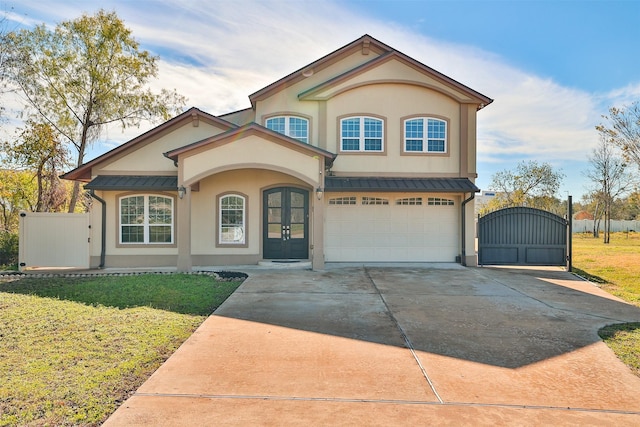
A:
[411, 345]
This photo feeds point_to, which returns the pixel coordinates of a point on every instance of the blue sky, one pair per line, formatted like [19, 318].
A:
[553, 67]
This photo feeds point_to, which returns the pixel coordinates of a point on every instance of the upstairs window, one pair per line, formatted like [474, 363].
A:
[146, 219]
[425, 135]
[294, 127]
[361, 134]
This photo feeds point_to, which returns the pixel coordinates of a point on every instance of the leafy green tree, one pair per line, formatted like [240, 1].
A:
[38, 150]
[85, 74]
[17, 192]
[630, 206]
[531, 184]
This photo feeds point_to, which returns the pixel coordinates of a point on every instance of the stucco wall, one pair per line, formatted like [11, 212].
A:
[149, 157]
[204, 209]
[246, 152]
[393, 103]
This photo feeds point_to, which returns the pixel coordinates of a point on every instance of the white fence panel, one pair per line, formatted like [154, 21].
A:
[54, 240]
[586, 225]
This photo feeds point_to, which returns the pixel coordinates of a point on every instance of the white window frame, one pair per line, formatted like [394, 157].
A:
[361, 137]
[424, 139]
[242, 233]
[145, 224]
[287, 126]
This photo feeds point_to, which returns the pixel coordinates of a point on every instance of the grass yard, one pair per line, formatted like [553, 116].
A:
[616, 268]
[73, 349]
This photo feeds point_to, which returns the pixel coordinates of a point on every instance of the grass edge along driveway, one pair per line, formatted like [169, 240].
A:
[615, 267]
[73, 349]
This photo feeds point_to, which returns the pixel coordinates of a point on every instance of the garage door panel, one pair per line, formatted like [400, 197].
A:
[392, 233]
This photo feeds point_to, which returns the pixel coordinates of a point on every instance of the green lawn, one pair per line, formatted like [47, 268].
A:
[616, 268]
[73, 349]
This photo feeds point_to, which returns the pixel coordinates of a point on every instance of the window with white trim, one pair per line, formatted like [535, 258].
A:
[292, 126]
[231, 219]
[361, 134]
[425, 135]
[437, 201]
[146, 219]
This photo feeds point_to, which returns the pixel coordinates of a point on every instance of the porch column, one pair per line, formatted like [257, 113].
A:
[184, 232]
[317, 263]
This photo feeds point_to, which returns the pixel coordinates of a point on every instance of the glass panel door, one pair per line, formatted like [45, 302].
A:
[286, 223]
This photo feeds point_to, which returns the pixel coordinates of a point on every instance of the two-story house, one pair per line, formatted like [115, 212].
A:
[365, 155]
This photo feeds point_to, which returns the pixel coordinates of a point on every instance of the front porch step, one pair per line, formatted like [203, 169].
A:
[302, 264]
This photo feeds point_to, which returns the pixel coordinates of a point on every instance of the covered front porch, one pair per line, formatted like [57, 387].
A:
[249, 195]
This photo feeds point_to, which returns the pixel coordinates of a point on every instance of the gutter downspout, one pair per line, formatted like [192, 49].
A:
[463, 261]
[103, 242]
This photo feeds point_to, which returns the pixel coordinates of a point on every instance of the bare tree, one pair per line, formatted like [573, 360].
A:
[610, 178]
[624, 130]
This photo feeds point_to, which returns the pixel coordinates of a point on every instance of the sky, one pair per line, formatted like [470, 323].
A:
[553, 68]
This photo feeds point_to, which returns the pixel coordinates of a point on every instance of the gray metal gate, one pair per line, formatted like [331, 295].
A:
[522, 236]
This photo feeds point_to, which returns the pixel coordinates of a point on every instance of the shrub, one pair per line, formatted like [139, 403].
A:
[8, 250]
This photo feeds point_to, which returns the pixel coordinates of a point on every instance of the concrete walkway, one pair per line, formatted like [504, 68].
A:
[417, 345]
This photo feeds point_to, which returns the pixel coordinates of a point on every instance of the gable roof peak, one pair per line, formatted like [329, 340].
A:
[366, 42]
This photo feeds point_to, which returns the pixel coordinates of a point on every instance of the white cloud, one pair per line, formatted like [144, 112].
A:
[217, 53]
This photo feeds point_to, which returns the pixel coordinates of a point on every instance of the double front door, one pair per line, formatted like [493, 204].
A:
[286, 223]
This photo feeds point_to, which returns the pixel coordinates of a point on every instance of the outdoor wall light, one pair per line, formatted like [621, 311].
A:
[181, 191]
[319, 193]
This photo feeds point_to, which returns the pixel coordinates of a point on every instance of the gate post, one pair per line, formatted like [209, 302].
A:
[569, 233]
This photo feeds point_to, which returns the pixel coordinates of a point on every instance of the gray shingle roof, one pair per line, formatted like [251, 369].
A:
[133, 183]
[423, 185]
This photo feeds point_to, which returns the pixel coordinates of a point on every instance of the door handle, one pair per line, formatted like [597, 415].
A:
[286, 233]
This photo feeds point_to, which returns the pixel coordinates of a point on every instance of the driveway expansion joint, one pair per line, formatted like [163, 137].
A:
[404, 336]
[382, 401]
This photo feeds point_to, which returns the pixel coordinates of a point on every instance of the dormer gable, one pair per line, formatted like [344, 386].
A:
[365, 45]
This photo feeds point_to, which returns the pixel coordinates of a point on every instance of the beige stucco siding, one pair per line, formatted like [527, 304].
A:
[287, 101]
[471, 135]
[112, 231]
[250, 152]
[392, 103]
[392, 70]
[149, 157]
[204, 210]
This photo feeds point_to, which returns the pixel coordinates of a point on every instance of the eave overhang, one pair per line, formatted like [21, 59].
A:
[133, 183]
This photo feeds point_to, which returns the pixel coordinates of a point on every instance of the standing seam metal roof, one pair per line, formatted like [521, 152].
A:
[435, 185]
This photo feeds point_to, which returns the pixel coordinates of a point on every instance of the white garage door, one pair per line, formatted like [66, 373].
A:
[392, 228]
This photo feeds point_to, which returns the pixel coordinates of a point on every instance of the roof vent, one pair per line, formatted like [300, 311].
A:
[365, 47]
